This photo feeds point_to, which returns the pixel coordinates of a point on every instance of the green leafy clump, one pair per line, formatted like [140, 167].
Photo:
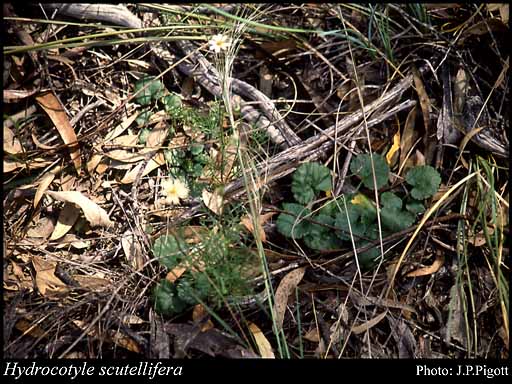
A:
[215, 269]
[154, 90]
[362, 167]
[310, 179]
[425, 181]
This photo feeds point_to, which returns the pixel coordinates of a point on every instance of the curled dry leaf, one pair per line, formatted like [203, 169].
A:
[67, 218]
[96, 215]
[284, 290]
[369, 324]
[45, 182]
[263, 344]
[438, 263]
[53, 108]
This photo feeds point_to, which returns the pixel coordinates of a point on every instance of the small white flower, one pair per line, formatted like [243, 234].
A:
[219, 43]
[174, 190]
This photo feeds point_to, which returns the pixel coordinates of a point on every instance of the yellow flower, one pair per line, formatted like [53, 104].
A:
[174, 190]
[219, 43]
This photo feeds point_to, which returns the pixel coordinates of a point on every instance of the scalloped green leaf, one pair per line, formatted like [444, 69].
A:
[362, 167]
[166, 299]
[293, 225]
[415, 207]
[352, 214]
[154, 90]
[169, 250]
[396, 220]
[365, 207]
[368, 259]
[320, 237]
[390, 200]
[310, 179]
[425, 181]
[171, 103]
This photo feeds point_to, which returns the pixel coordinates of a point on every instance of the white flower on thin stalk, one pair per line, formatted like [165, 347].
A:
[174, 190]
[219, 43]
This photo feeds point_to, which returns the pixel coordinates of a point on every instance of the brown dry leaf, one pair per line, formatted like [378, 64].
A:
[67, 218]
[12, 165]
[14, 95]
[114, 336]
[479, 239]
[201, 316]
[426, 108]
[214, 201]
[74, 241]
[96, 215]
[419, 159]
[482, 28]
[369, 324]
[157, 161]
[94, 283]
[24, 281]
[125, 155]
[284, 290]
[45, 182]
[131, 319]
[132, 250]
[53, 108]
[42, 228]
[157, 135]
[47, 283]
[41, 145]
[67, 182]
[312, 335]
[247, 222]
[118, 130]
[11, 143]
[28, 328]
[438, 263]
[502, 7]
[264, 347]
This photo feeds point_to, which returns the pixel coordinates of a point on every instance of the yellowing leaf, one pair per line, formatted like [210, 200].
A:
[67, 218]
[263, 344]
[284, 290]
[96, 215]
[54, 109]
[391, 155]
